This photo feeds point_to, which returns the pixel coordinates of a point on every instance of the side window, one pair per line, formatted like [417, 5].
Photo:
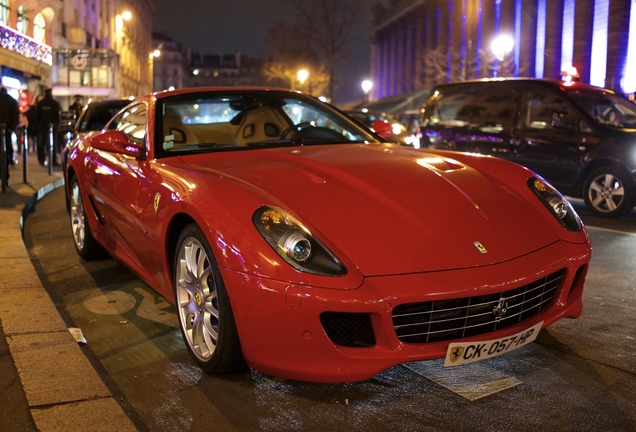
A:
[547, 110]
[133, 123]
[489, 111]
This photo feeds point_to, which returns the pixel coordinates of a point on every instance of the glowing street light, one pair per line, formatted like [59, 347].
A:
[302, 76]
[367, 85]
[126, 15]
[501, 46]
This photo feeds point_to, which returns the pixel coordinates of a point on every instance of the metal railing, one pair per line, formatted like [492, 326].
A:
[23, 141]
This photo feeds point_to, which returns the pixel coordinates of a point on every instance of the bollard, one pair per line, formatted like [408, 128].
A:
[3, 157]
[25, 151]
[51, 148]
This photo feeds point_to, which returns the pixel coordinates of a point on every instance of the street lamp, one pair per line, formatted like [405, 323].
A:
[367, 85]
[302, 76]
[501, 46]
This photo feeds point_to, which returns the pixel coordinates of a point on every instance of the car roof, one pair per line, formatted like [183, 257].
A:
[188, 90]
[569, 86]
[109, 102]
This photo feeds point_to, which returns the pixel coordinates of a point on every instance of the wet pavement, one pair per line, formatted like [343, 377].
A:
[46, 381]
[579, 375]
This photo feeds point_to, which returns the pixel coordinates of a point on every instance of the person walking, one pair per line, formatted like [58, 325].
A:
[47, 112]
[32, 129]
[77, 106]
[9, 116]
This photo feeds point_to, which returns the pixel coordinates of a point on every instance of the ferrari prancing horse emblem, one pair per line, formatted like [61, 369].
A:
[480, 247]
[157, 199]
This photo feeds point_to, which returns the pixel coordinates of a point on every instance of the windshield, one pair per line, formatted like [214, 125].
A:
[606, 108]
[238, 120]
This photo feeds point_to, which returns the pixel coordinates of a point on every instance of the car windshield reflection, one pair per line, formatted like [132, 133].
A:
[250, 120]
[607, 109]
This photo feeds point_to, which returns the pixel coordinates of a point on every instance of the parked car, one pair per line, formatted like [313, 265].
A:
[386, 126]
[67, 127]
[293, 240]
[97, 113]
[580, 138]
[94, 116]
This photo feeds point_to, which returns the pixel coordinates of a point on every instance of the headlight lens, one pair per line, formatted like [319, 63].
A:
[556, 203]
[295, 244]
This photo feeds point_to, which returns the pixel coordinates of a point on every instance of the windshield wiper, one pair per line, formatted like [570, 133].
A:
[197, 147]
[276, 143]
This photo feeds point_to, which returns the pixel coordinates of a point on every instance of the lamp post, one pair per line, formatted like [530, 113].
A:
[151, 60]
[501, 46]
[367, 85]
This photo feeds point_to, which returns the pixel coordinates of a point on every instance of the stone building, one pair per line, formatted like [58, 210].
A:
[417, 44]
[94, 48]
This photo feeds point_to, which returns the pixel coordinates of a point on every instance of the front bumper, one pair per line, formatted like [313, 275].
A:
[282, 334]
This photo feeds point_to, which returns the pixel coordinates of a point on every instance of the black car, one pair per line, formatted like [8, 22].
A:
[96, 114]
[93, 117]
[580, 138]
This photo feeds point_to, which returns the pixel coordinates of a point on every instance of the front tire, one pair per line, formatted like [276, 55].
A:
[85, 243]
[205, 314]
[608, 192]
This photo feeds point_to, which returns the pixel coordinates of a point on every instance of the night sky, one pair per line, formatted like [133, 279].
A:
[227, 26]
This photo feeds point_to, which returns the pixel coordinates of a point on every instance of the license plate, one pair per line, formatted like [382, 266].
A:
[460, 353]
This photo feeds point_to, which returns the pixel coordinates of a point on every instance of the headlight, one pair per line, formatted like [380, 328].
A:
[295, 244]
[556, 203]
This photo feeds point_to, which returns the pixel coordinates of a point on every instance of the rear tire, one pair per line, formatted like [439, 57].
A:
[206, 319]
[609, 192]
[85, 243]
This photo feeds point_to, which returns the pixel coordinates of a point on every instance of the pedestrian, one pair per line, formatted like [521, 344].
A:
[47, 113]
[32, 129]
[77, 106]
[9, 116]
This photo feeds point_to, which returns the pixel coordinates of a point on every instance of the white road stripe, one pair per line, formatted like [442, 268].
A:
[587, 227]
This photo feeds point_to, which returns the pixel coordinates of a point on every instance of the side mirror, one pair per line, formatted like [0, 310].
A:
[117, 142]
[382, 128]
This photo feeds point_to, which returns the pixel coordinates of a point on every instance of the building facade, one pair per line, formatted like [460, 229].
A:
[94, 48]
[26, 55]
[417, 44]
[177, 67]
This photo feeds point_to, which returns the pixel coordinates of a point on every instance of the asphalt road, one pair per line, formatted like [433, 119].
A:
[579, 375]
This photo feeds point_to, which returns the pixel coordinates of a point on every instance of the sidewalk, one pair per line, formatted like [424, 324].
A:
[46, 382]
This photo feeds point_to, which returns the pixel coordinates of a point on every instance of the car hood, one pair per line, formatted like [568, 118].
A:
[390, 210]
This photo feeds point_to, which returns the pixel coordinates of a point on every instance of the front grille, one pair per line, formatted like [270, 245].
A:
[348, 329]
[470, 316]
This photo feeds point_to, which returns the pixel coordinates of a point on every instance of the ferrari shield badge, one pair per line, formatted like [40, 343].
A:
[456, 353]
[157, 199]
[480, 247]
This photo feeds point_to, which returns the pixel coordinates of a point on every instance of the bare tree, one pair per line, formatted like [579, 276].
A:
[288, 56]
[324, 27]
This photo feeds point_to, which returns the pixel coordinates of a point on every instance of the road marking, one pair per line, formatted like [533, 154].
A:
[151, 307]
[154, 308]
[471, 381]
[610, 230]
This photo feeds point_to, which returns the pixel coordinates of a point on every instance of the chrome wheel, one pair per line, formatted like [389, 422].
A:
[197, 299]
[608, 192]
[78, 218]
[85, 244]
[205, 313]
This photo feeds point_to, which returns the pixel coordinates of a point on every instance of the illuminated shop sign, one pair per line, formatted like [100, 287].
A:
[17, 42]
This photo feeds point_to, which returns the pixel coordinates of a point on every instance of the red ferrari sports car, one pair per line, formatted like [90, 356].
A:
[296, 242]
